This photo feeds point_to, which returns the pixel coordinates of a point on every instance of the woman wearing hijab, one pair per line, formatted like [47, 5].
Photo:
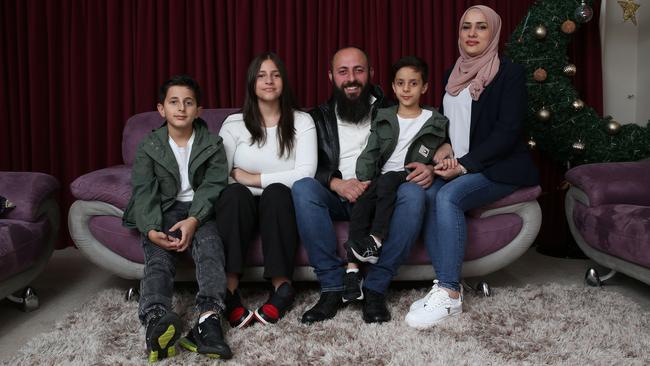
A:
[484, 159]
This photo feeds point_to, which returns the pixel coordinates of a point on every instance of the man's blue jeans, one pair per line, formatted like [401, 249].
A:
[445, 229]
[316, 209]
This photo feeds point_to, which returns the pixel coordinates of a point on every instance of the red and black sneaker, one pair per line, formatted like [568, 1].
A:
[277, 305]
[238, 315]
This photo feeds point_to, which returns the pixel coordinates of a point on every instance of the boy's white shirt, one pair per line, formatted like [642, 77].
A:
[408, 129]
[182, 155]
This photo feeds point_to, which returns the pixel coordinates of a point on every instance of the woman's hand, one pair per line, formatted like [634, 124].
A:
[449, 169]
[246, 178]
[444, 152]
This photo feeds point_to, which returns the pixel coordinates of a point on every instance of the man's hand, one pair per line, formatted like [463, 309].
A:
[350, 189]
[444, 152]
[246, 178]
[187, 228]
[421, 174]
[163, 240]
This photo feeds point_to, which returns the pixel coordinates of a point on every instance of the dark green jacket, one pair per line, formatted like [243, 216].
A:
[384, 133]
[156, 178]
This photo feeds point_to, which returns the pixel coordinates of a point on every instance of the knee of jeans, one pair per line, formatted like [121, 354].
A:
[412, 195]
[160, 262]
[304, 190]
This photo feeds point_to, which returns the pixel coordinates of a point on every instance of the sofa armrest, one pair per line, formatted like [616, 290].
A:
[28, 191]
[110, 185]
[613, 183]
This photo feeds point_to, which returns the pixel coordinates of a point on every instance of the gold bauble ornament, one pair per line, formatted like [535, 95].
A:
[540, 32]
[540, 75]
[568, 27]
[543, 114]
[578, 147]
[569, 70]
[532, 144]
[578, 104]
[613, 127]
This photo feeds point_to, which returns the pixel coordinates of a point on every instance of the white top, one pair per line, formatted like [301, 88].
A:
[408, 128]
[459, 111]
[353, 138]
[182, 155]
[265, 159]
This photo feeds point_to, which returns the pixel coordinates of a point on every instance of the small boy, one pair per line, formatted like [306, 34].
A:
[400, 137]
[178, 174]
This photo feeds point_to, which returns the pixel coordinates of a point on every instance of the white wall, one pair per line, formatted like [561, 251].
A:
[626, 55]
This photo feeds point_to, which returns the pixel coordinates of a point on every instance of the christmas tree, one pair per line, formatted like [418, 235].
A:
[558, 122]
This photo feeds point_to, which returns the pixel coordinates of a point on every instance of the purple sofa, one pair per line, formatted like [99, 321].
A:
[498, 233]
[27, 232]
[608, 210]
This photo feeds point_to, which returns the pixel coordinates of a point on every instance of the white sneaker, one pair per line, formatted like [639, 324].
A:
[420, 303]
[435, 307]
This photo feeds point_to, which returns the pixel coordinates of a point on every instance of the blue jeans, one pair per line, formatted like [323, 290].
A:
[445, 229]
[317, 207]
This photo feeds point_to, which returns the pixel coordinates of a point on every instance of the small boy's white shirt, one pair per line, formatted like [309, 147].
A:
[408, 129]
[459, 111]
[182, 155]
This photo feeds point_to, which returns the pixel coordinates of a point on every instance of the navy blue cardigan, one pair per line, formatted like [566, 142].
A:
[496, 147]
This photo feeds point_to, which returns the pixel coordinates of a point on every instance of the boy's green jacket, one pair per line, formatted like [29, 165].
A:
[384, 133]
[156, 178]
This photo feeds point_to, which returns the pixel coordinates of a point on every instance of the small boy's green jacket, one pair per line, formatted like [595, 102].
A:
[156, 178]
[384, 133]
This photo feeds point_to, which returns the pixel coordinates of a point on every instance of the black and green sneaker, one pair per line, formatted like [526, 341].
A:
[163, 330]
[207, 338]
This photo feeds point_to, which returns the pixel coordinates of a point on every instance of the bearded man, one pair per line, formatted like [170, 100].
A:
[343, 127]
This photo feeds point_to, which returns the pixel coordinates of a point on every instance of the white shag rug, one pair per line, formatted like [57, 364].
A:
[549, 325]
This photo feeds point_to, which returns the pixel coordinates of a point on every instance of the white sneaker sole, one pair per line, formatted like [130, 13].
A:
[371, 259]
[430, 324]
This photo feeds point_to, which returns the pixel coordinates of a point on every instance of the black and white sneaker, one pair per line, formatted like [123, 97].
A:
[207, 338]
[352, 291]
[163, 329]
[365, 250]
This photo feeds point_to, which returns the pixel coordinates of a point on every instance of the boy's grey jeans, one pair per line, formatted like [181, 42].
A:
[157, 285]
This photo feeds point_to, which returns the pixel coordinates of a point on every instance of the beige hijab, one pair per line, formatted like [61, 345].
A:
[477, 71]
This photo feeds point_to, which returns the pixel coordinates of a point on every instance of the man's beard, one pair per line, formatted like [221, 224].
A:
[352, 110]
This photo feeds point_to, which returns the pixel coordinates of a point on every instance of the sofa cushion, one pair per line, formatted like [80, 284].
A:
[524, 194]
[21, 243]
[27, 190]
[111, 185]
[618, 230]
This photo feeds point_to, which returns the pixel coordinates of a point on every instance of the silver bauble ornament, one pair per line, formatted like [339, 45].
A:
[578, 147]
[543, 114]
[532, 144]
[613, 127]
[569, 70]
[540, 32]
[584, 12]
[578, 104]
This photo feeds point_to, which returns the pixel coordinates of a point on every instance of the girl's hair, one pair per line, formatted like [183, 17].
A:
[251, 111]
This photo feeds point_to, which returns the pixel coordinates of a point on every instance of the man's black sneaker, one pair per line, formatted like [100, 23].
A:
[374, 307]
[276, 306]
[207, 338]
[238, 315]
[352, 282]
[326, 307]
[163, 329]
[365, 249]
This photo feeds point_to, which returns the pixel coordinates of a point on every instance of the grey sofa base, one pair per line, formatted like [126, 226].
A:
[82, 211]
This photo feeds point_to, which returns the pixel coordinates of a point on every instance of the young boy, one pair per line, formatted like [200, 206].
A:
[178, 174]
[399, 136]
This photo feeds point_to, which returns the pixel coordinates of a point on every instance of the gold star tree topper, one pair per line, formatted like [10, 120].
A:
[629, 10]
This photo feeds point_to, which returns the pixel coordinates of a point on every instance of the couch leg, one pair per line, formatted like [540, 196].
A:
[28, 300]
[482, 288]
[592, 278]
[132, 294]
